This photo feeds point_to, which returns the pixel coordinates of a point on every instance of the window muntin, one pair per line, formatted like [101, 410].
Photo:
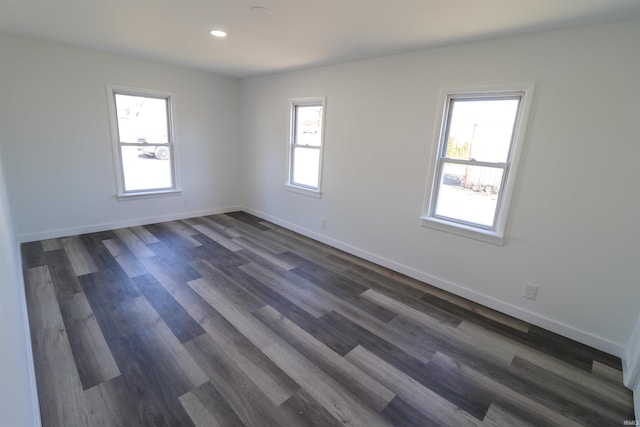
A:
[305, 152]
[143, 141]
[475, 160]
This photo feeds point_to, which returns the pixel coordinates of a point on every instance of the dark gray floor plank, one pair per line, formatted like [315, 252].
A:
[65, 281]
[207, 408]
[235, 386]
[32, 255]
[183, 326]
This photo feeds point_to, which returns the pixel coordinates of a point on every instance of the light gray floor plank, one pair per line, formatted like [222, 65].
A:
[62, 399]
[80, 259]
[357, 382]
[91, 352]
[135, 245]
[414, 393]
[325, 390]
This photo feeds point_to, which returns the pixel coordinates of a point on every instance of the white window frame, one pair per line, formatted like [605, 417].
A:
[122, 193]
[496, 233]
[290, 185]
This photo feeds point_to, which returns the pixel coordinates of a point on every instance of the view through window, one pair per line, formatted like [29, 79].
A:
[306, 143]
[145, 143]
[474, 159]
[478, 147]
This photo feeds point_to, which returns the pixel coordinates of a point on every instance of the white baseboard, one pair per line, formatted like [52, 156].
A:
[636, 402]
[33, 386]
[544, 322]
[93, 228]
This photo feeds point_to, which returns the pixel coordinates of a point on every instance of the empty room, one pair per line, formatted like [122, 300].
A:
[319, 213]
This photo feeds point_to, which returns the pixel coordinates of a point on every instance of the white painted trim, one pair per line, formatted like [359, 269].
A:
[33, 385]
[293, 102]
[552, 325]
[495, 236]
[631, 360]
[304, 191]
[462, 230]
[93, 228]
[121, 192]
[636, 402]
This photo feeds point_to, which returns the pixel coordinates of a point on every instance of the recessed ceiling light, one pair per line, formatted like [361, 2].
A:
[218, 33]
[260, 10]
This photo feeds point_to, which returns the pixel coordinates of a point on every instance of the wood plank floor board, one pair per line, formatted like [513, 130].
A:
[60, 392]
[247, 218]
[411, 391]
[129, 263]
[340, 286]
[207, 408]
[266, 375]
[161, 407]
[239, 391]
[390, 353]
[300, 293]
[212, 277]
[96, 254]
[525, 404]
[135, 245]
[330, 337]
[32, 255]
[305, 411]
[230, 320]
[212, 234]
[350, 377]
[576, 401]
[183, 326]
[81, 261]
[400, 413]
[91, 353]
[65, 281]
[110, 404]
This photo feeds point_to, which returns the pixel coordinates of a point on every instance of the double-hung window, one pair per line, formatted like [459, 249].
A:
[305, 145]
[142, 134]
[478, 146]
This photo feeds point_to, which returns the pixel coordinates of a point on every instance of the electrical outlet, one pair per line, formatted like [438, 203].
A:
[530, 291]
[323, 224]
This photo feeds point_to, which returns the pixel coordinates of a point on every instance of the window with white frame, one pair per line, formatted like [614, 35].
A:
[305, 144]
[143, 143]
[478, 147]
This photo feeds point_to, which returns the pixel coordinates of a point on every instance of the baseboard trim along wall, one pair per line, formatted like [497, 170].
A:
[33, 386]
[53, 234]
[552, 325]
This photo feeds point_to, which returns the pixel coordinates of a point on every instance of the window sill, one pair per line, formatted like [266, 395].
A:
[304, 191]
[148, 194]
[487, 236]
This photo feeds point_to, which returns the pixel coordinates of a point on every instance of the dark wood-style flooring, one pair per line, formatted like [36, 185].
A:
[229, 320]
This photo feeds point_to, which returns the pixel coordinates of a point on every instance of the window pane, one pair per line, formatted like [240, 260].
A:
[306, 164]
[481, 129]
[469, 193]
[308, 125]
[146, 168]
[142, 119]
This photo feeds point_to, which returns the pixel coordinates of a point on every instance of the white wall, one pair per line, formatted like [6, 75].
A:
[18, 399]
[57, 148]
[573, 227]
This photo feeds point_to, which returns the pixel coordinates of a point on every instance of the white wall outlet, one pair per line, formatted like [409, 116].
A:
[530, 291]
[323, 223]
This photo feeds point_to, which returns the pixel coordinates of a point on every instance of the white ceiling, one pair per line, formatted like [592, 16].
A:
[296, 33]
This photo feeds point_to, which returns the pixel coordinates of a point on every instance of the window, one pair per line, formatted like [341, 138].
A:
[305, 151]
[475, 164]
[143, 141]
